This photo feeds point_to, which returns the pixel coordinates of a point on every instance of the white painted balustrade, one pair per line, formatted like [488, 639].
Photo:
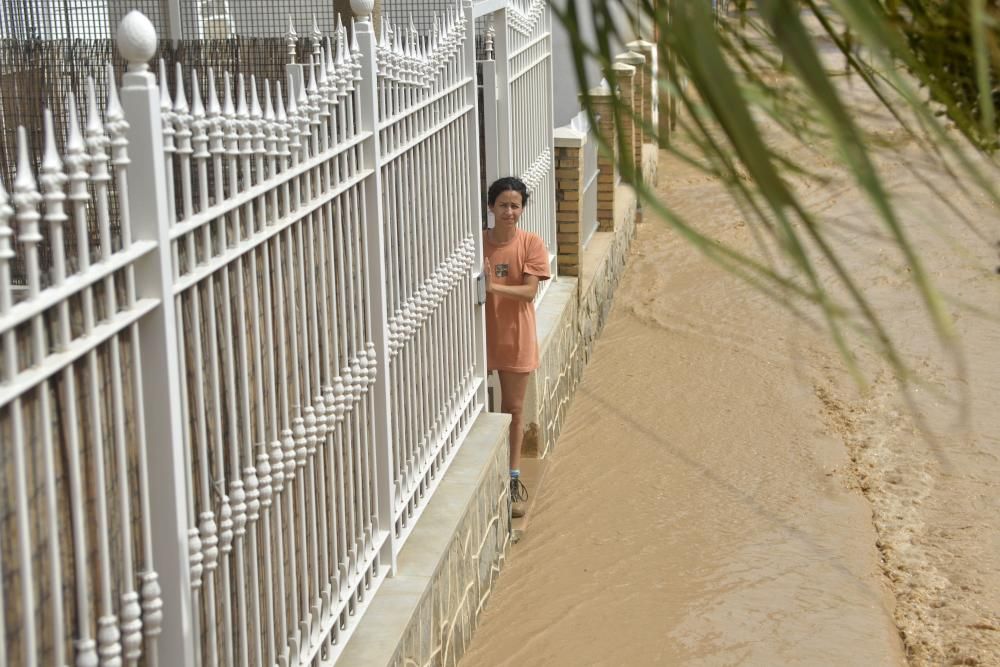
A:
[220, 423]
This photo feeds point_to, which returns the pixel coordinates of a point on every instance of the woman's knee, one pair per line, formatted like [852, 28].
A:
[515, 410]
[513, 388]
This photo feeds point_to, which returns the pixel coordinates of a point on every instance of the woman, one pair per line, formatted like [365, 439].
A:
[515, 261]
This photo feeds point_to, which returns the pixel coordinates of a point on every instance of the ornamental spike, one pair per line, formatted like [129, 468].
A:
[24, 181]
[94, 123]
[197, 108]
[282, 116]
[51, 160]
[242, 111]
[313, 87]
[180, 100]
[227, 95]
[114, 107]
[213, 97]
[74, 139]
[166, 104]
[255, 111]
[268, 105]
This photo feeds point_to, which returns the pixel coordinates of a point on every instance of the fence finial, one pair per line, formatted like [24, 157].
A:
[328, 64]
[6, 233]
[166, 104]
[317, 37]
[291, 39]
[136, 39]
[227, 95]
[490, 33]
[363, 9]
[180, 105]
[26, 199]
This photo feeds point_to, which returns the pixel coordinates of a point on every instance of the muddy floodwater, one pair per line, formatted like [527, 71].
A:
[723, 493]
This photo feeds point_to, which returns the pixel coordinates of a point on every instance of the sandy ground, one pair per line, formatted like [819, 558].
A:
[723, 494]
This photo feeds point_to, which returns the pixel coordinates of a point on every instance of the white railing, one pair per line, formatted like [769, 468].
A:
[261, 378]
[272, 280]
[518, 110]
[428, 136]
[85, 409]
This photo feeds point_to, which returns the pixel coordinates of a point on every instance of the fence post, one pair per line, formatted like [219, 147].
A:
[621, 78]
[491, 126]
[636, 112]
[504, 135]
[368, 122]
[475, 200]
[650, 88]
[602, 106]
[147, 204]
[549, 126]
[569, 199]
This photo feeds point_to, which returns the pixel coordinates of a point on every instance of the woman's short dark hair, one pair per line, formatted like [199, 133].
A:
[502, 185]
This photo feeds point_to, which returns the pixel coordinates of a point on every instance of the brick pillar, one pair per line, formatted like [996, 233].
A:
[637, 63]
[649, 88]
[569, 199]
[601, 104]
[624, 76]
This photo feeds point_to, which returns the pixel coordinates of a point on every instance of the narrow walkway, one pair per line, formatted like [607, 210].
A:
[697, 508]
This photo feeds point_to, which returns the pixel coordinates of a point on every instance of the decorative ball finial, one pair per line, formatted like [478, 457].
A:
[136, 40]
[362, 8]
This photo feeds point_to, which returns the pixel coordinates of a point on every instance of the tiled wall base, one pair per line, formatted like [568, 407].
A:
[425, 614]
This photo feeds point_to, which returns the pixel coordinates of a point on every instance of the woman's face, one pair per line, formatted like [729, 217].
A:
[507, 209]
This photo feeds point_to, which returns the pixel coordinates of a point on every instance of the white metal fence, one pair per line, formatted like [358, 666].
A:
[260, 376]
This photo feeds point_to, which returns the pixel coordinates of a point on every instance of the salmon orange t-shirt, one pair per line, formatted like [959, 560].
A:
[511, 341]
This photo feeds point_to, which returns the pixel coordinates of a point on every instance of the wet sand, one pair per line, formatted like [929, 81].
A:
[723, 493]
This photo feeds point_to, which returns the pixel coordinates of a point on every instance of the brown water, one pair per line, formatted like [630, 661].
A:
[723, 494]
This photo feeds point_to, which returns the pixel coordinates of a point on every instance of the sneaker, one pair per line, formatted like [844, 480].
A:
[518, 496]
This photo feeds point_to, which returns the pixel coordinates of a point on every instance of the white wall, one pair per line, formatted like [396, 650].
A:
[565, 84]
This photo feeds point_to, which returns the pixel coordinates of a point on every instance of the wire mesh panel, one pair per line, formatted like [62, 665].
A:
[420, 12]
[77, 562]
[427, 130]
[74, 19]
[216, 19]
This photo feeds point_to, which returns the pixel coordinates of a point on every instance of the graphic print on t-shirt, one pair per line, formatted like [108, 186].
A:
[501, 270]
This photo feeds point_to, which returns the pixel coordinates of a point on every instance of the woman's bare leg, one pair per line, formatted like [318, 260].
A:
[513, 387]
